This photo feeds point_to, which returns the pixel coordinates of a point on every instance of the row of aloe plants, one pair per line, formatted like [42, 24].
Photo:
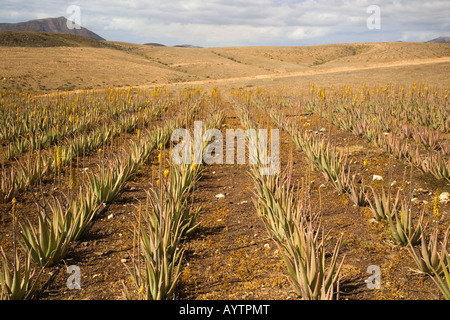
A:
[32, 169]
[289, 220]
[165, 221]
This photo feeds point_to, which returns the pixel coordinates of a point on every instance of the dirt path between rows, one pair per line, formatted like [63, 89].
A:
[231, 256]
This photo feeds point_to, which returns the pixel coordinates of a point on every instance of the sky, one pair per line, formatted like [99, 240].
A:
[225, 23]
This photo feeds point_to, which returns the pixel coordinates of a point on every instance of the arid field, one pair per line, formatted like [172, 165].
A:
[88, 179]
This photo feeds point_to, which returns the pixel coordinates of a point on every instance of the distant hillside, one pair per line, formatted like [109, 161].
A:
[49, 39]
[441, 40]
[154, 44]
[186, 46]
[54, 25]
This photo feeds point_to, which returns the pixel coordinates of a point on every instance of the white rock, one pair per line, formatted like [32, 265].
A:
[375, 177]
[220, 196]
[393, 183]
[110, 216]
[267, 246]
[444, 197]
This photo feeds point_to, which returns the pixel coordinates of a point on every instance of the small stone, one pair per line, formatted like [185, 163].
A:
[375, 177]
[110, 216]
[220, 196]
[444, 197]
[123, 260]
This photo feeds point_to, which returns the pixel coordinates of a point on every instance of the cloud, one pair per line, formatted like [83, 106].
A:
[245, 22]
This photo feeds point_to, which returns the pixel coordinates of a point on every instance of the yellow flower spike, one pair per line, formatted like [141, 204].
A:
[437, 204]
[159, 158]
[58, 157]
[166, 173]
[365, 163]
[138, 132]
[141, 289]
[157, 183]
[73, 179]
[195, 166]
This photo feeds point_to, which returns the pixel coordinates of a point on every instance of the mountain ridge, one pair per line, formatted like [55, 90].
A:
[52, 25]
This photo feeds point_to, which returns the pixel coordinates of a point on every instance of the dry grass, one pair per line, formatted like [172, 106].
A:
[126, 64]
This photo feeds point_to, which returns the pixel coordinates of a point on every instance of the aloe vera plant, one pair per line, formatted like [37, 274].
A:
[358, 194]
[110, 181]
[50, 242]
[381, 206]
[443, 281]
[305, 260]
[402, 227]
[155, 273]
[295, 230]
[20, 282]
[427, 257]
[8, 186]
[81, 213]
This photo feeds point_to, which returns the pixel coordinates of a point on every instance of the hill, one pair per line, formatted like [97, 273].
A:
[54, 25]
[441, 40]
[112, 64]
[48, 39]
[152, 44]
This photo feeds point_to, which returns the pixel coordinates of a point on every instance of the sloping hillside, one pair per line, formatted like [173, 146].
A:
[48, 39]
[441, 40]
[56, 25]
[51, 61]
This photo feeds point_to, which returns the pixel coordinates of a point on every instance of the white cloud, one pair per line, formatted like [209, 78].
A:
[244, 22]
